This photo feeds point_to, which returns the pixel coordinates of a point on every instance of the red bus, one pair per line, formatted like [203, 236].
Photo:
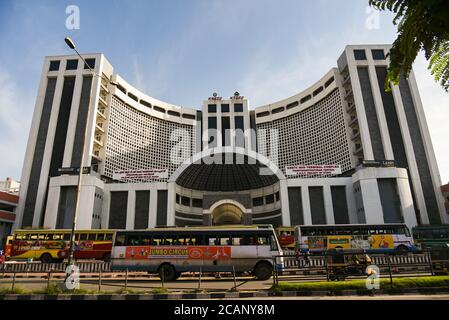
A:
[53, 245]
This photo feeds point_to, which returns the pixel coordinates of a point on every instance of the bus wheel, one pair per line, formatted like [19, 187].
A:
[167, 272]
[263, 270]
[107, 257]
[46, 258]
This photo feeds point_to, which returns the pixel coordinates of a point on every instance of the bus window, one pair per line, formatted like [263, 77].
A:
[100, 236]
[120, 240]
[33, 236]
[56, 236]
[213, 241]
[263, 241]
[108, 236]
[175, 241]
[156, 240]
[83, 236]
[132, 240]
[91, 236]
[273, 243]
[191, 241]
[67, 236]
[43, 237]
[20, 236]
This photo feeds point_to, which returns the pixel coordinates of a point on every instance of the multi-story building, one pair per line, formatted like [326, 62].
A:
[8, 204]
[341, 151]
[10, 186]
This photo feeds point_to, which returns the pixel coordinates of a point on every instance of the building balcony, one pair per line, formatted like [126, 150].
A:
[102, 100]
[356, 137]
[99, 128]
[358, 151]
[348, 93]
[101, 113]
[354, 122]
[350, 107]
[98, 143]
[104, 87]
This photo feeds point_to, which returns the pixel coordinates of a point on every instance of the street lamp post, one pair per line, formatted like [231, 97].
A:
[71, 45]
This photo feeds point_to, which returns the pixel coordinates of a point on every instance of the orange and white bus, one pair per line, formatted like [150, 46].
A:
[381, 238]
[286, 237]
[171, 251]
[53, 245]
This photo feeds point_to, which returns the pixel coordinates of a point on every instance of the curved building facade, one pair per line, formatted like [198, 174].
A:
[341, 151]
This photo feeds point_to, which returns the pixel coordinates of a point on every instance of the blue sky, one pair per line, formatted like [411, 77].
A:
[180, 51]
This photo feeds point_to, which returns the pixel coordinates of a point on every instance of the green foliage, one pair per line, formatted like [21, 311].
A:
[54, 289]
[422, 25]
[160, 291]
[16, 290]
[398, 283]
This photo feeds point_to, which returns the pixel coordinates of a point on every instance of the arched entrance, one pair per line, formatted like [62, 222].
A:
[227, 213]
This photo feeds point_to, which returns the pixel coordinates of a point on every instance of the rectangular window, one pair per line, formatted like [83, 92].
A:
[185, 201]
[257, 201]
[238, 107]
[225, 107]
[269, 198]
[359, 55]
[212, 123]
[239, 133]
[71, 65]
[54, 65]
[225, 131]
[378, 54]
[212, 126]
[212, 108]
[89, 63]
[197, 203]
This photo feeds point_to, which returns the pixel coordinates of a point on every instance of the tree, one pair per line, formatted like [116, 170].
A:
[422, 25]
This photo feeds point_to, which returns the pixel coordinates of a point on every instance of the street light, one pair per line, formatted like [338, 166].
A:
[71, 45]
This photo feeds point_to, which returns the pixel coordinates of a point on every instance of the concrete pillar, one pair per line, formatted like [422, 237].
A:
[51, 213]
[153, 208]
[328, 204]
[371, 201]
[285, 208]
[306, 206]
[171, 198]
[131, 210]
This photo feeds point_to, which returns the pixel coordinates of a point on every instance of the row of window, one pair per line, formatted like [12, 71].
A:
[212, 108]
[271, 198]
[189, 202]
[193, 240]
[297, 103]
[317, 231]
[155, 107]
[64, 236]
[377, 54]
[71, 64]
